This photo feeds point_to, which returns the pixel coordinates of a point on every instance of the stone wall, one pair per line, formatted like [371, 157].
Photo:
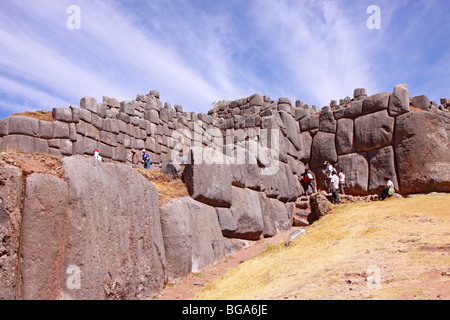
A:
[358, 134]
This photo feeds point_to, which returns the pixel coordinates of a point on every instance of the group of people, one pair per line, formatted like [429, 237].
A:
[134, 158]
[335, 181]
[145, 158]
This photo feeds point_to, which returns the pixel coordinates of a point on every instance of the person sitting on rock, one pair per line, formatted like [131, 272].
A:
[334, 187]
[307, 181]
[97, 155]
[388, 190]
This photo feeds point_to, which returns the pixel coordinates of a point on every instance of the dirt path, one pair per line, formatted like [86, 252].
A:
[187, 289]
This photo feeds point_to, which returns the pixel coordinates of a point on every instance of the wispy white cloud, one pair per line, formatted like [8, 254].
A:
[195, 52]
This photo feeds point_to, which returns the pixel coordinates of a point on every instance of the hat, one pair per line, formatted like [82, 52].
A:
[326, 162]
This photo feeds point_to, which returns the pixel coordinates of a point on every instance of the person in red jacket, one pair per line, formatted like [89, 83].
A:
[307, 181]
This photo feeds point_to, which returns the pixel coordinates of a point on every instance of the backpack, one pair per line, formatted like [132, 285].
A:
[310, 176]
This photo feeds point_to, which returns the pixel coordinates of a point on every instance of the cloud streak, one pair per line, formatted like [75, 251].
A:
[195, 53]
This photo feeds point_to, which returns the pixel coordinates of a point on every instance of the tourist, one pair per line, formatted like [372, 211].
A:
[146, 158]
[334, 187]
[134, 157]
[307, 181]
[388, 190]
[341, 181]
[328, 173]
[97, 155]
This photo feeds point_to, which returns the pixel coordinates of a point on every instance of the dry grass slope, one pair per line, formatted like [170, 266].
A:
[408, 240]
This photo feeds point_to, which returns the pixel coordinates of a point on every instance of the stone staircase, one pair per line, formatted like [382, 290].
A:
[302, 212]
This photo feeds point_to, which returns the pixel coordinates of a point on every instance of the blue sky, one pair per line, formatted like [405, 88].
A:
[199, 51]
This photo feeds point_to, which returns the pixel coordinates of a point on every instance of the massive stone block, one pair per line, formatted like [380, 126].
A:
[344, 136]
[374, 103]
[374, 131]
[42, 238]
[246, 216]
[422, 153]
[10, 223]
[24, 126]
[327, 122]
[282, 185]
[208, 182]
[192, 237]
[399, 101]
[382, 164]
[356, 169]
[323, 149]
[18, 143]
[113, 238]
[292, 129]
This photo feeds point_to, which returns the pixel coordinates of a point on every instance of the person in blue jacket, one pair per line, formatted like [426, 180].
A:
[146, 158]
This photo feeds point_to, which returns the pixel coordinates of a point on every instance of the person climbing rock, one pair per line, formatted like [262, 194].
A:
[307, 181]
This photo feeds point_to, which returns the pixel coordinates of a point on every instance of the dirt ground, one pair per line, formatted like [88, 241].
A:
[188, 288]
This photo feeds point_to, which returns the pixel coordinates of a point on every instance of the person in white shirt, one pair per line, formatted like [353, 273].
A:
[334, 187]
[388, 190]
[341, 181]
[329, 172]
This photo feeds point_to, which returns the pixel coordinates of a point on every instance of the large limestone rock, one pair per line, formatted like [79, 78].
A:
[292, 129]
[10, 222]
[42, 239]
[382, 164]
[320, 207]
[283, 185]
[113, 238]
[208, 182]
[323, 149]
[374, 131]
[399, 101]
[356, 169]
[244, 220]
[422, 153]
[344, 136]
[192, 236]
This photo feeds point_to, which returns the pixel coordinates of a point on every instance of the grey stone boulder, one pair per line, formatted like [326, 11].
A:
[354, 109]
[374, 131]
[381, 164]
[23, 126]
[89, 103]
[283, 185]
[320, 207]
[399, 101]
[246, 216]
[62, 114]
[292, 129]
[42, 239]
[421, 102]
[10, 225]
[374, 103]
[422, 153]
[172, 169]
[344, 136]
[113, 235]
[327, 122]
[356, 169]
[192, 237]
[208, 183]
[323, 149]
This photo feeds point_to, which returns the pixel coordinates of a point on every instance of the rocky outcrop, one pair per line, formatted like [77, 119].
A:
[94, 235]
[192, 237]
[10, 219]
[422, 153]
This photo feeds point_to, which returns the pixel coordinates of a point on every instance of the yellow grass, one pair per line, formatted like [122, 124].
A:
[44, 116]
[407, 239]
[167, 187]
